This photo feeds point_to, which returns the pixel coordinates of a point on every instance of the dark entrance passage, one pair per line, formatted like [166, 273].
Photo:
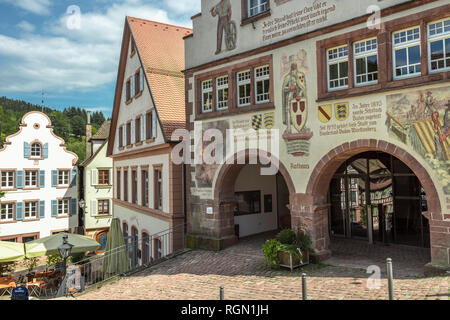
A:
[376, 197]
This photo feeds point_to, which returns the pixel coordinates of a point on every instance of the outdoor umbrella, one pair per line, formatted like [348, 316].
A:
[11, 251]
[116, 255]
[49, 245]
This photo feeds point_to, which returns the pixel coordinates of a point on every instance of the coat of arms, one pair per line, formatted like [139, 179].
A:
[342, 111]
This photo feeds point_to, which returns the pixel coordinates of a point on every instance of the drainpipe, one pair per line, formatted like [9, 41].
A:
[183, 193]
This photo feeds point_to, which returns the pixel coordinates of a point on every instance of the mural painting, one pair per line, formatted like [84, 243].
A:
[224, 25]
[295, 106]
[421, 119]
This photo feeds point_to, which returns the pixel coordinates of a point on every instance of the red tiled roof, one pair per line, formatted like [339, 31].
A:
[161, 49]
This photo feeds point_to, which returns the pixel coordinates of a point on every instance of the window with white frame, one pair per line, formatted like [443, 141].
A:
[207, 92]
[63, 177]
[262, 81]
[36, 150]
[6, 212]
[366, 62]
[406, 44]
[256, 7]
[63, 207]
[222, 93]
[7, 179]
[31, 179]
[244, 88]
[31, 210]
[439, 45]
[337, 60]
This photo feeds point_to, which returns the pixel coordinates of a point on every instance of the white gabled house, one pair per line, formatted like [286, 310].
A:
[39, 178]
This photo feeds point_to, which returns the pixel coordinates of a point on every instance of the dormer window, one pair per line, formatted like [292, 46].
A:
[36, 150]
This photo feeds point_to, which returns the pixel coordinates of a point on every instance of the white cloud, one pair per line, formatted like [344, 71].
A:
[184, 6]
[26, 26]
[72, 60]
[41, 7]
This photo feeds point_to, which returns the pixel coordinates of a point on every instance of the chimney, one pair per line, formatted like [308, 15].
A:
[88, 135]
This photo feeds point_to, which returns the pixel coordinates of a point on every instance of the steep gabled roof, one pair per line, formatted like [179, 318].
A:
[103, 132]
[160, 48]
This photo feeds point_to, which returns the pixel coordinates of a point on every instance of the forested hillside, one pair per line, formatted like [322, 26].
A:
[69, 124]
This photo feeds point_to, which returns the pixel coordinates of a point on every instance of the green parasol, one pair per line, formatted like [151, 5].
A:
[49, 245]
[11, 251]
[116, 259]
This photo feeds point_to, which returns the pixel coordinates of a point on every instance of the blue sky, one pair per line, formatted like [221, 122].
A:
[43, 47]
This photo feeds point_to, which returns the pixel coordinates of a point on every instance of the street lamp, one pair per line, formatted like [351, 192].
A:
[65, 251]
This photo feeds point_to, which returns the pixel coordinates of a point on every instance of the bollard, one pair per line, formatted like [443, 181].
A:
[222, 295]
[390, 279]
[304, 293]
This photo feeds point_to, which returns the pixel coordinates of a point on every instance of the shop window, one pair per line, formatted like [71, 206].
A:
[337, 68]
[262, 80]
[439, 45]
[222, 93]
[366, 62]
[244, 88]
[207, 92]
[248, 202]
[407, 54]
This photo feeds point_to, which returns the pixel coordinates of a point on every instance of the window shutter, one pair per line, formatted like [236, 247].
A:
[118, 137]
[93, 208]
[154, 124]
[20, 179]
[141, 79]
[124, 129]
[54, 178]
[41, 179]
[73, 207]
[41, 209]
[125, 91]
[133, 131]
[144, 127]
[54, 208]
[110, 177]
[45, 151]
[26, 150]
[132, 86]
[19, 211]
[74, 177]
[94, 177]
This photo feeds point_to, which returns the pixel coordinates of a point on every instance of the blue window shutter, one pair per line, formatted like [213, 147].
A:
[45, 151]
[73, 207]
[20, 179]
[54, 208]
[41, 179]
[26, 150]
[41, 209]
[54, 178]
[19, 211]
[74, 177]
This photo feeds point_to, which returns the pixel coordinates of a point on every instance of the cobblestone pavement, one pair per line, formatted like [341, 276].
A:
[197, 275]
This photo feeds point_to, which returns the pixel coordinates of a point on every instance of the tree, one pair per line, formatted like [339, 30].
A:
[78, 126]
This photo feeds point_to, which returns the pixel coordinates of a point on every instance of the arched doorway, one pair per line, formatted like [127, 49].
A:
[374, 196]
[249, 203]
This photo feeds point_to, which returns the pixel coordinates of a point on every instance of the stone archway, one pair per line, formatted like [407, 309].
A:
[312, 207]
[224, 194]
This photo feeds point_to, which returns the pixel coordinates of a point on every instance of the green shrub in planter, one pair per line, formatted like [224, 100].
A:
[270, 251]
[304, 241]
[287, 237]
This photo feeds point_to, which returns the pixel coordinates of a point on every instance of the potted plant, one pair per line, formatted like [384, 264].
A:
[304, 242]
[30, 264]
[7, 268]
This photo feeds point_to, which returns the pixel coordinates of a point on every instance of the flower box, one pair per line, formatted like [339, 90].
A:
[288, 261]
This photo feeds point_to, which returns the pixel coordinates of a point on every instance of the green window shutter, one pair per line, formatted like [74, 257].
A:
[45, 151]
[20, 177]
[73, 182]
[54, 178]
[26, 150]
[41, 179]
[54, 208]
[73, 207]
[19, 211]
[41, 209]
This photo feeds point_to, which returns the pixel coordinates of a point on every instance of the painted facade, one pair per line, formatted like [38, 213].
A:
[148, 107]
[39, 177]
[323, 107]
[98, 188]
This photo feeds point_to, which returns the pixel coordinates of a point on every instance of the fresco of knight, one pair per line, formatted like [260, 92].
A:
[295, 111]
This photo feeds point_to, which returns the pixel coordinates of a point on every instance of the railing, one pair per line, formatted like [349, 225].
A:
[138, 253]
